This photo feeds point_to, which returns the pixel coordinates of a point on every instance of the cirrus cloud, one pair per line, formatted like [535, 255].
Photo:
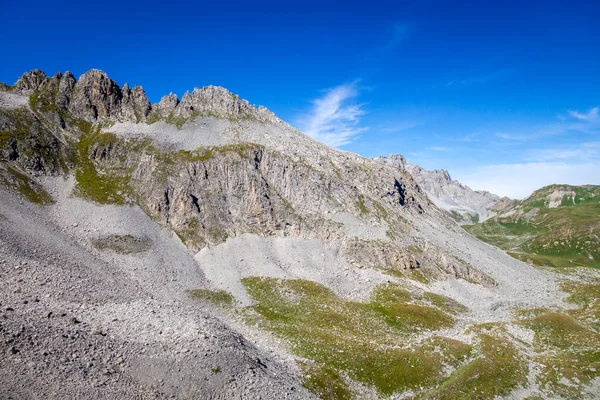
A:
[334, 117]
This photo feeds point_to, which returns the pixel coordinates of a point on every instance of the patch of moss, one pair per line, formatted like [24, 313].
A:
[360, 204]
[446, 304]
[566, 350]
[324, 382]
[189, 232]
[93, 183]
[216, 297]
[27, 188]
[392, 303]
[498, 370]
[361, 339]
[123, 244]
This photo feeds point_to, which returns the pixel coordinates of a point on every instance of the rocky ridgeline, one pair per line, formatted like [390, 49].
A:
[464, 204]
[96, 97]
[279, 183]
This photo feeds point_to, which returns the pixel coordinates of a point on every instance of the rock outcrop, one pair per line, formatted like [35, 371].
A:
[465, 205]
[30, 81]
[221, 103]
[166, 106]
[96, 97]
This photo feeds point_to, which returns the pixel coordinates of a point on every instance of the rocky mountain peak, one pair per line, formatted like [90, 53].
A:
[442, 175]
[221, 103]
[135, 105]
[166, 106]
[65, 89]
[396, 160]
[30, 81]
[97, 97]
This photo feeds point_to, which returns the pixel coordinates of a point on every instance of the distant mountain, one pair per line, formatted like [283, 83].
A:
[558, 225]
[465, 205]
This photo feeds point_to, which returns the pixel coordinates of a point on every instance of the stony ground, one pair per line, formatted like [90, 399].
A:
[78, 323]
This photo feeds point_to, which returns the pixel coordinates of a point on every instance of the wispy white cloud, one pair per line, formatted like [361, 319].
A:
[521, 179]
[579, 152]
[439, 148]
[574, 122]
[590, 116]
[334, 118]
[515, 137]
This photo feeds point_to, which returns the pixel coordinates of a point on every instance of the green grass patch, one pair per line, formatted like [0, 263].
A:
[566, 349]
[561, 236]
[93, 183]
[391, 303]
[21, 183]
[444, 303]
[498, 370]
[216, 297]
[123, 244]
[361, 339]
[324, 382]
[360, 204]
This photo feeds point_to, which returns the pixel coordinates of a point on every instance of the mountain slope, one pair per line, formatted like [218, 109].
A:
[223, 254]
[557, 226]
[465, 205]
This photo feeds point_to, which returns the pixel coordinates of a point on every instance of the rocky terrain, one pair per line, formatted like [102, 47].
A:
[464, 205]
[203, 248]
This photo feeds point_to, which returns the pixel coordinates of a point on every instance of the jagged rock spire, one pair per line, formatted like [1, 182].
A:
[97, 97]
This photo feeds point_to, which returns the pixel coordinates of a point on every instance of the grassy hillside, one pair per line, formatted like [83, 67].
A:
[558, 226]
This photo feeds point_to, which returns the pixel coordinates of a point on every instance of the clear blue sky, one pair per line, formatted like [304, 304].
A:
[502, 94]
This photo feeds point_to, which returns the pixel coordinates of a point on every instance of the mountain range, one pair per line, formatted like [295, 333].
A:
[465, 205]
[203, 248]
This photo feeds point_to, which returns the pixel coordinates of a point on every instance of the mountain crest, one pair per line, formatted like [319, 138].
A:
[94, 96]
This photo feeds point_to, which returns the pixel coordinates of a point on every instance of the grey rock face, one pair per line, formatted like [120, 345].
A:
[221, 103]
[65, 89]
[30, 81]
[96, 96]
[166, 106]
[31, 146]
[134, 104]
[464, 204]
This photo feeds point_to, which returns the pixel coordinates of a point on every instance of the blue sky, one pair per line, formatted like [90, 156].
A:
[504, 95]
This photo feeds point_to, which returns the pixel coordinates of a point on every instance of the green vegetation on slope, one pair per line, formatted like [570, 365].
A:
[566, 348]
[216, 297]
[93, 183]
[325, 382]
[371, 342]
[123, 244]
[499, 369]
[22, 184]
[556, 226]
